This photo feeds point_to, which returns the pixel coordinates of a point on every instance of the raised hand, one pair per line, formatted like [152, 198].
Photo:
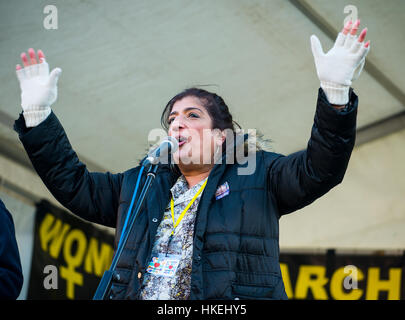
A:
[38, 87]
[336, 68]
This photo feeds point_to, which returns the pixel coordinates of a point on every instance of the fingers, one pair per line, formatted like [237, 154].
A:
[316, 47]
[351, 36]
[349, 31]
[364, 50]
[350, 27]
[344, 38]
[347, 27]
[32, 57]
[20, 73]
[54, 76]
[41, 55]
[362, 35]
[355, 27]
[33, 66]
[359, 43]
[24, 59]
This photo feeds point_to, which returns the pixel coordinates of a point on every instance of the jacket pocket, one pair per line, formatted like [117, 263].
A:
[117, 291]
[252, 291]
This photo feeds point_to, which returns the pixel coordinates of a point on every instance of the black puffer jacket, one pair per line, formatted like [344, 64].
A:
[11, 276]
[236, 249]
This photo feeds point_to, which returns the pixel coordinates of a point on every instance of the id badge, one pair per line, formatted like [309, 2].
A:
[162, 265]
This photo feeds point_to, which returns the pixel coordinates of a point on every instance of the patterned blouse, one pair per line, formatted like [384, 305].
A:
[157, 287]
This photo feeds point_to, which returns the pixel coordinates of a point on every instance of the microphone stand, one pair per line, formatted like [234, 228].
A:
[105, 282]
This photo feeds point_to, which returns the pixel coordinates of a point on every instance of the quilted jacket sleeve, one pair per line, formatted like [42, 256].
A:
[93, 196]
[11, 276]
[302, 177]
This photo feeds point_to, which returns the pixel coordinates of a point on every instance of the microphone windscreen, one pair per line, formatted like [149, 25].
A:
[173, 142]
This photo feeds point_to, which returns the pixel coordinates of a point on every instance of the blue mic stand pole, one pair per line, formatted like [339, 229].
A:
[105, 282]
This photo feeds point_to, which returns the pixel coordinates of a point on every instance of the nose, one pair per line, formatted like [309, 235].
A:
[177, 124]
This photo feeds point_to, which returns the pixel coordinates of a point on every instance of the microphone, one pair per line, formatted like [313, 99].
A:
[167, 146]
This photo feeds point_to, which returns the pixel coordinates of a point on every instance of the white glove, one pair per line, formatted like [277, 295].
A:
[336, 69]
[38, 91]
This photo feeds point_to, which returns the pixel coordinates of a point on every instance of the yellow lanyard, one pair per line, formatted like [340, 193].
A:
[175, 224]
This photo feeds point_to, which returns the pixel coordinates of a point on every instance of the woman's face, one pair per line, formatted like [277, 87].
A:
[191, 124]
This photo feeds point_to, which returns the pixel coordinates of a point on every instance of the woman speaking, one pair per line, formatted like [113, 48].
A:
[205, 231]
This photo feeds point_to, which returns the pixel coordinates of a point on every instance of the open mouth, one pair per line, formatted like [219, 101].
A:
[183, 140]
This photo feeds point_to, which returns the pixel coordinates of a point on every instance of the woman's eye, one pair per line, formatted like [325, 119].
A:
[190, 115]
[193, 115]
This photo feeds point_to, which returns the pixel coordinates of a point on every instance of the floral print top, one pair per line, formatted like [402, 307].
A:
[157, 287]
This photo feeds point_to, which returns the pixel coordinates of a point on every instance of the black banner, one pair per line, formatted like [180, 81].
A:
[69, 255]
[333, 276]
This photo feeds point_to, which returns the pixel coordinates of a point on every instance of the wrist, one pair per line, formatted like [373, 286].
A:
[34, 116]
[336, 94]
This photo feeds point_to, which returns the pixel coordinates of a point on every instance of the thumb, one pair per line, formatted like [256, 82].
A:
[54, 76]
[316, 47]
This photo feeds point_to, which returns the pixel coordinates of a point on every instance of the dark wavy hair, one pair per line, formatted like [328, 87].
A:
[218, 112]
[214, 104]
